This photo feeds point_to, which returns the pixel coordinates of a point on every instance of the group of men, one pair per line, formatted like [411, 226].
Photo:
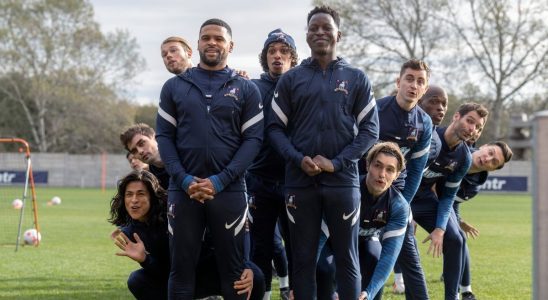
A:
[314, 151]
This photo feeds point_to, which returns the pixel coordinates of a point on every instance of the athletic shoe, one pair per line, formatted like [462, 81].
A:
[398, 287]
[468, 296]
[441, 277]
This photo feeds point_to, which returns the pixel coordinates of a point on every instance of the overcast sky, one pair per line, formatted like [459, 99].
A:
[150, 22]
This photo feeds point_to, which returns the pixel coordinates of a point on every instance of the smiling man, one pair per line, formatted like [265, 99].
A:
[432, 210]
[209, 130]
[322, 122]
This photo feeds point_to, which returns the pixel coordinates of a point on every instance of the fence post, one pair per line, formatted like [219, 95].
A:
[540, 205]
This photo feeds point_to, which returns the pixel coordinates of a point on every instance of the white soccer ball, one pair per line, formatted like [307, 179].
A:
[55, 200]
[32, 237]
[17, 204]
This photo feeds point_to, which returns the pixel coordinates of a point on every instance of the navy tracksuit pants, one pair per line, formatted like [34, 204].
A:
[410, 265]
[425, 213]
[267, 207]
[226, 217]
[340, 207]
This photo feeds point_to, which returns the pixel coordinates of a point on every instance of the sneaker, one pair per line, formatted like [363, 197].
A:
[398, 287]
[468, 296]
[441, 277]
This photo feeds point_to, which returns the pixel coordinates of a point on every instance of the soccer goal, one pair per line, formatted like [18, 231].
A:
[18, 208]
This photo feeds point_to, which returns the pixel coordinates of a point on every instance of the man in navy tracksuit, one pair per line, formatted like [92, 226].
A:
[265, 177]
[403, 122]
[430, 210]
[383, 218]
[209, 130]
[324, 119]
[487, 158]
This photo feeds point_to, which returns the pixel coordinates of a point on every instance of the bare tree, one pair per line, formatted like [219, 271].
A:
[54, 57]
[380, 35]
[507, 43]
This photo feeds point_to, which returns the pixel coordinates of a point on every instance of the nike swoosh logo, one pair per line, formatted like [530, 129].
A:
[228, 226]
[276, 94]
[260, 106]
[346, 217]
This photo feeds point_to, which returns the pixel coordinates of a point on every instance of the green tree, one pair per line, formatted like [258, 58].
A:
[67, 77]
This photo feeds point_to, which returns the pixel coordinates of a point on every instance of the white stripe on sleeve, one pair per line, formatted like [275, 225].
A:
[420, 153]
[366, 110]
[279, 112]
[252, 121]
[452, 184]
[393, 233]
[167, 117]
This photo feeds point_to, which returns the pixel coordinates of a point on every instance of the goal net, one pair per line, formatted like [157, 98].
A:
[18, 208]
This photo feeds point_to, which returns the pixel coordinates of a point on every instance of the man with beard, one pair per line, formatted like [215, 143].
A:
[209, 130]
[265, 177]
[176, 54]
[323, 120]
[432, 210]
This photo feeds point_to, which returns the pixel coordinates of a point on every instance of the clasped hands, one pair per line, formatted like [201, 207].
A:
[314, 166]
[201, 189]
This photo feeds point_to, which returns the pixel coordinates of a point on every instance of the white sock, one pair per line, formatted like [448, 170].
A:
[464, 289]
[284, 282]
[267, 295]
[398, 277]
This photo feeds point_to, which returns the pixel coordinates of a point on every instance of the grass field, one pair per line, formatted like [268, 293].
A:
[76, 258]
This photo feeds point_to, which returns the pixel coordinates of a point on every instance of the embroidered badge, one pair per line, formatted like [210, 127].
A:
[380, 216]
[342, 86]
[291, 202]
[451, 166]
[412, 134]
[233, 92]
[251, 202]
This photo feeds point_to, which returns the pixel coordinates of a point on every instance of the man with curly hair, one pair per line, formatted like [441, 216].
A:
[265, 177]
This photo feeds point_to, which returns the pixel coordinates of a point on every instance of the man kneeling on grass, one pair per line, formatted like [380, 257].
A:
[139, 209]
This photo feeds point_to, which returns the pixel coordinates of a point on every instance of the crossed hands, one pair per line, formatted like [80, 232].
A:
[201, 189]
[314, 166]
[135, 251]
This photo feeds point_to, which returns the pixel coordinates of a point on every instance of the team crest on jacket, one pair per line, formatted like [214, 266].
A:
[412, 134]
[291, 202]
[342, 86]
[233, 92]
[451, 166]
[380, 216]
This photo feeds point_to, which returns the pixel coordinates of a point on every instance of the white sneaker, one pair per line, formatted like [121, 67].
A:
[398, 287]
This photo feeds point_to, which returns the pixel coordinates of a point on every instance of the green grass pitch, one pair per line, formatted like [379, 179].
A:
[76, 257]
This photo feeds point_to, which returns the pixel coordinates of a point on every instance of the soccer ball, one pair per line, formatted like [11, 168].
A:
[32, 237]
[17, 204]
[55, 200]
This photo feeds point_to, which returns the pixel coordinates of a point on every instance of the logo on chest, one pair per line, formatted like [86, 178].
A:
[451, 166]
[342, 86]
[380, 216]
[233, 92]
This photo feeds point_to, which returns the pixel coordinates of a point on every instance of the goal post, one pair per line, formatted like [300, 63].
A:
[19, 210]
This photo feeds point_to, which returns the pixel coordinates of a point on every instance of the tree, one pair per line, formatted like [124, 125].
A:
[57, 65]
[507, 44]
[380, 35]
